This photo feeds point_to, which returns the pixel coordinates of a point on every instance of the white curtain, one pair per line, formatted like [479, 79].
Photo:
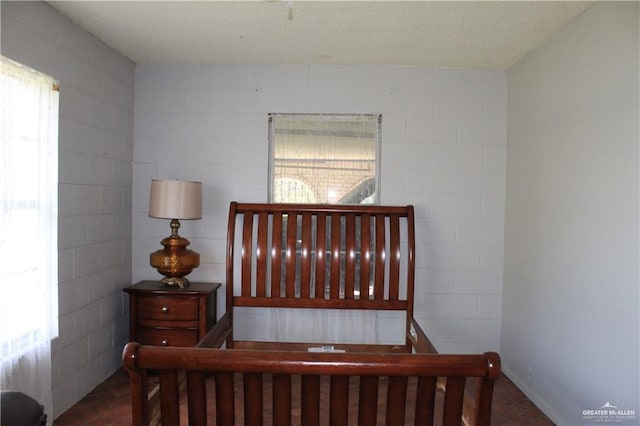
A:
[28, 230]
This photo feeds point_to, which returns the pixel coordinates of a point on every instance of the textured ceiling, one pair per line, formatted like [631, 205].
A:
[429, 33]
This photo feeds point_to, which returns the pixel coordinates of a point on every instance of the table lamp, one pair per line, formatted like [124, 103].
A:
[175, 200]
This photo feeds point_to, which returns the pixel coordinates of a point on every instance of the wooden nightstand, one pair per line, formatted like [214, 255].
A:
[167, 316]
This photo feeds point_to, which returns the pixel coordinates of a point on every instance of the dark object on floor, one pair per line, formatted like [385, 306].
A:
[18, 409]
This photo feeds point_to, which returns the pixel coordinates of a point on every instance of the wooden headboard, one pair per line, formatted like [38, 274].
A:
[320, 256]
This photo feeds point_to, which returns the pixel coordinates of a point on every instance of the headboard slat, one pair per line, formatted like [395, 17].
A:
[365, 257]
[379, 261]
[290, 255]
[334, 275]
[247, 253]
[276, 254]
[305, 256]
[262, 254]
[394, 257]
[350, 256]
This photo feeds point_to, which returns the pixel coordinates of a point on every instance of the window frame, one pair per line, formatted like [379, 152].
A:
[378, 150]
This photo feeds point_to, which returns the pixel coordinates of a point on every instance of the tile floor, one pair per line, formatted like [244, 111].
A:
[109, 404]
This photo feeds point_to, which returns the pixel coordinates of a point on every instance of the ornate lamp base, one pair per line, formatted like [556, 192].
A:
[175, 260]
[181, 282]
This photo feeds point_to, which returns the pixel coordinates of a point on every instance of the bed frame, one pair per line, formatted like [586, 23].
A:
[345, 257]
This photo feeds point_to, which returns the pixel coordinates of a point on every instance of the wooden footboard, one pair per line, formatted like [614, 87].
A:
[346, 388]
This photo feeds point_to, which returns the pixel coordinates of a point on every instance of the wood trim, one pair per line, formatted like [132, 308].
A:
[271, 302]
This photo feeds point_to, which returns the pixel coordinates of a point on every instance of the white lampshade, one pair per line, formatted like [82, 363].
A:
[174, 199]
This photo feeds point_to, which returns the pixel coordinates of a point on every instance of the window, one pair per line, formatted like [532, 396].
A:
[28, 229]
[324, 158]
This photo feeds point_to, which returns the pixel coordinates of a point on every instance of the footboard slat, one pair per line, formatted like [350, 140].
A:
[453, 400]
[425, 400]
[225, 401]
[253, 399]
[368, 401]
[339, 401]
[197, 398]
[396, 400]
[310, 398]
[169, 397]
[281, 399]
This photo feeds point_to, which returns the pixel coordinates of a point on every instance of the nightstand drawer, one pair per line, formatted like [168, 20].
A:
[171, 316]
[167, 308]
[167, 336]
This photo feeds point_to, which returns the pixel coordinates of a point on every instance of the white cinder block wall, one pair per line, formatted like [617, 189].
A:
[95, 153]
[443, 150]
[570, 330]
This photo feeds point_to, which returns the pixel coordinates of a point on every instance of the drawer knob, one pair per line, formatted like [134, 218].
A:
[164, 343]
[165, 309]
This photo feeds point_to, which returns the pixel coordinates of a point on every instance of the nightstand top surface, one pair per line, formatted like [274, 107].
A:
[151, 287]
